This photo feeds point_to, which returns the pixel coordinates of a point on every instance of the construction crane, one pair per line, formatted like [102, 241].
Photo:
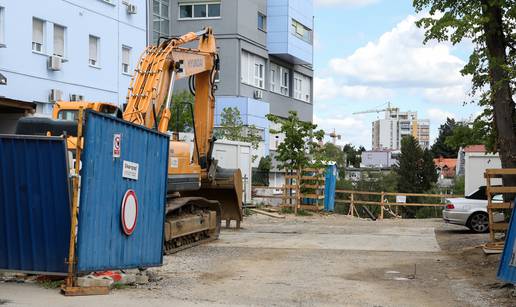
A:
[199, 194]
[334, 136]
[388, 109]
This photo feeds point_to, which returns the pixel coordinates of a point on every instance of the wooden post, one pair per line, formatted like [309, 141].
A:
[352, 205]
[489, 210]
[381, 205]
[75, 202]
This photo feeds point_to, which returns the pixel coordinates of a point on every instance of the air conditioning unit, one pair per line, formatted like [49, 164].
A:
[54, 63]
[258, 94]
[76, 97]
[131, 9]
[55, 95]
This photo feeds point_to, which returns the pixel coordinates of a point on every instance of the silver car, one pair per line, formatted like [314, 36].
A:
[471, 211]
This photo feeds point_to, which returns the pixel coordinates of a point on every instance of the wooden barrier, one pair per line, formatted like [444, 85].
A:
[492, 207]
[383, 203]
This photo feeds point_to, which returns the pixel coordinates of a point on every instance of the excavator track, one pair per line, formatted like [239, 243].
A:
[190, 221]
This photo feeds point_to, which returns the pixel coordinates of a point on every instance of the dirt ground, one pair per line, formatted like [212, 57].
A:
[324, 260]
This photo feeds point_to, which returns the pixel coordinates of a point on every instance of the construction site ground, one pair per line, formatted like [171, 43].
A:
[318, 260]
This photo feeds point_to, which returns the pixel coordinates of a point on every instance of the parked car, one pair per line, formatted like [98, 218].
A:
[471, 211]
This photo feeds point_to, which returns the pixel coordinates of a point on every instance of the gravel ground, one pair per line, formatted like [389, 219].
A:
[326, 260]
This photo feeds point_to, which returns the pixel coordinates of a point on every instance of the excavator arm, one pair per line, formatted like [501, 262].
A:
[152, 86]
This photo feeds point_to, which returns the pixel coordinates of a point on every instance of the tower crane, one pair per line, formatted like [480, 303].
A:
[388, 109]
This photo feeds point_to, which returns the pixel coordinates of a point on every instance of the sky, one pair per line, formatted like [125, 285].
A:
[370, 52]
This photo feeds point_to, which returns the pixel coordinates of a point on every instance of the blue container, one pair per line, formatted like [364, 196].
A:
[507, 267]
[102, 243]
[329, 187]
[34, 204]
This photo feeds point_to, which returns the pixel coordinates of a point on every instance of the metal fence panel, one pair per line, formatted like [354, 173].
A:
[34, 204]
[102, 243]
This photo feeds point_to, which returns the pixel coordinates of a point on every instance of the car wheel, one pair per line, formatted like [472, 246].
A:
[479, 222]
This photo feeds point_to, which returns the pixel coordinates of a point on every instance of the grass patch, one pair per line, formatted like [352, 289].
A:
[248, 212]
[302, 212]
[119, 286]
[50, 284]
[287, 210]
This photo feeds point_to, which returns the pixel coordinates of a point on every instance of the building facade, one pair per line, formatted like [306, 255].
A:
[265, 48]
[379, 158]
[388, 132]
[70, 50]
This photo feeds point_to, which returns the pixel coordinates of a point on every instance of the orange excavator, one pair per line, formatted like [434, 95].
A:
[200, 194]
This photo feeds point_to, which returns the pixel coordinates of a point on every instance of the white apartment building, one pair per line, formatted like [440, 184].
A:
[387, 133]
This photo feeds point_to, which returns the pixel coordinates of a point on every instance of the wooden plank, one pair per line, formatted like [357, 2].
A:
[312, 186]
[318, 170]
[314, 178]
[494, 190]
[81, 291]
[291, 176]
[267, 188]
[499, 206]
[271, 214]
[500, 171]
[499, 226]
[358, 192]
[312, 196]
[275, 196]
[398, 194]
[377, 203]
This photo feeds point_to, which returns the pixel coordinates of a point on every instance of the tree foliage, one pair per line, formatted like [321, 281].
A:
[331, 152]
[353, 155]
[181, 114]
[300, 145]
[491, 26]
[465, 134]
[440, 148]
[416, 169]
[233, 129]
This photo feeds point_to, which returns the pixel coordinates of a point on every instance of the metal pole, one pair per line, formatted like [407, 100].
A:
[75, 201]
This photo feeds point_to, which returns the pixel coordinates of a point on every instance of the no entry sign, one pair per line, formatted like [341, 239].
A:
[116, 145]
[129, 212]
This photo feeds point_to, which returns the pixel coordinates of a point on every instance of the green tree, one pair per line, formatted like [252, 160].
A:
[465, 134]
[353, 155]
[300, 146]
[491, 25]
[265, 164]
[331, 152]
[416, 169]
[440, 148]
[232, 128]
[181, 114]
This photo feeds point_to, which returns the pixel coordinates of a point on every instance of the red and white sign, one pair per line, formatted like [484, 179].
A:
[116, 145]
[129, 212]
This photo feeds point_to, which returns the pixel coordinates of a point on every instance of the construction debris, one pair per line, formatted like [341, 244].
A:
[271, 214]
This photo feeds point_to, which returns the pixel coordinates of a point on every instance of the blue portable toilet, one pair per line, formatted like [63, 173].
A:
[329, 187]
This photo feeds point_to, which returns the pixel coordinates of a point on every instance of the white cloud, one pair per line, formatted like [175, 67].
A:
[347, 3]
[398, 59]
[328, 88]
[448, 94]
[438, 116]
[353, 129]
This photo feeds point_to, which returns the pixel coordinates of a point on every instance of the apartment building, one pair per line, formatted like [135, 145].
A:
[265, 48]
[67, 50]
[388, 132]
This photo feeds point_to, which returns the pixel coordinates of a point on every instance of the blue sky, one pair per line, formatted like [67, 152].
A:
[368, 52]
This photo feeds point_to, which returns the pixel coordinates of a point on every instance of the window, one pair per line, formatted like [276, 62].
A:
[199, 10]
[2, 22]
[38, 27]
[126, 58]
[252, 69]
[59, 40]
[302, 87]
[160, 19]
[280, 79]
[94, 50]
[301, 31]
[262, 22]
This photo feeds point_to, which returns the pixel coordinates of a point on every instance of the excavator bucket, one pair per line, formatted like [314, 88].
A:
[226, 188]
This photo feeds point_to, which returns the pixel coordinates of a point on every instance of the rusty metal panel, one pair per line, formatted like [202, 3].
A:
[34, 204]
[507, 267]
[103, 242]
